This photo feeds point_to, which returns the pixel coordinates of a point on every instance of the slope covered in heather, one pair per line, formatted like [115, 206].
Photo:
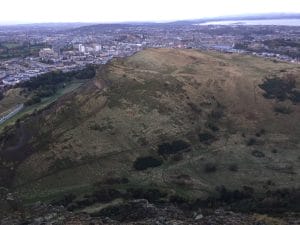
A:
[182, 121]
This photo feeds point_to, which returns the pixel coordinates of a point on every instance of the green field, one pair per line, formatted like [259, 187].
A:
[27, 110]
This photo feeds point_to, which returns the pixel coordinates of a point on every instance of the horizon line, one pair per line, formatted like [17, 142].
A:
[19, 23]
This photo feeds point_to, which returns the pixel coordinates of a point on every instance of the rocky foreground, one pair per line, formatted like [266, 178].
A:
[133, 212]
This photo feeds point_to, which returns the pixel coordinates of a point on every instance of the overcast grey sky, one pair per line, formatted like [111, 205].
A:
[39, 11]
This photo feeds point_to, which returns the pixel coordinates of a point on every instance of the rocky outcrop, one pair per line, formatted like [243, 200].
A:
[136, 212]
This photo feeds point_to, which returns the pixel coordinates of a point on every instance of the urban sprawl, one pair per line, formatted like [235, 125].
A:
[67, 48]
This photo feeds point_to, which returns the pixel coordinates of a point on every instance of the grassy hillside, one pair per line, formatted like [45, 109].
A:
[15, 97]
[182, 121]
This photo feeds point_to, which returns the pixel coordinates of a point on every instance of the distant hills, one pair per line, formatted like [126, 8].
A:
[268, 16]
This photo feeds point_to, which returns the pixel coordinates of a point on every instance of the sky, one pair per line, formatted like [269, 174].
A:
[41, 11]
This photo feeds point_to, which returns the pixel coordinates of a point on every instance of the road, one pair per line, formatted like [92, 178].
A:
[13, 112]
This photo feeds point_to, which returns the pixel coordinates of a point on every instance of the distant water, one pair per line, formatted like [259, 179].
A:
[278, 22]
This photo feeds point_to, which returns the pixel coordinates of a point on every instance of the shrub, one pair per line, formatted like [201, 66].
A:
[282, 109]
[177, 157]
[152, 195]
[173, 148]
[165, 148]
[34, 100]
[144, 163]
[229, 196]
[106, 195]
[210, 167]
[65, 200]
[279, 88]
[233, 167]
[114, 180]
[95, 126]
[216, 114]
[177, 199]
[258, 154]
[194, 107]
[213, 127]
[295, 96]
[179, 145]
[206, 137]
[251, 141]
[262, 131]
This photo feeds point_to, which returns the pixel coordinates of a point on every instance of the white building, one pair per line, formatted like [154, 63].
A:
[97, 48]
[81, 48]
[10, 81]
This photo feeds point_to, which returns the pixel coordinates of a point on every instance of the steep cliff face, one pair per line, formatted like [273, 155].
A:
[182, 121]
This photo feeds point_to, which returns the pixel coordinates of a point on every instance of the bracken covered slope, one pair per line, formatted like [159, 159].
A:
[182, 121]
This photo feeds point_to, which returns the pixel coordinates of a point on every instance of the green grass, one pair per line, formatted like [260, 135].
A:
[49, 196]
[12, 98]
[44, 103]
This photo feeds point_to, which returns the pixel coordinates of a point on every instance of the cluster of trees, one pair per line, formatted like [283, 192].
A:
[286, 47]
[46, 85]
[248, 32]
[12, 50]
[275, 43]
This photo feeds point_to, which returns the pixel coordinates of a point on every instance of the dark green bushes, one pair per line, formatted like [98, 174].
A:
[46, 85]
[295, 96]
[258, 154]
[152, 195]
[65, 200]
[206, 138]
[212, 126]
[281, 88]
[34, 100]
[233, 167]
[282, 109]
[173, 148]
[251, 141]
[144, 163]
[210, 167]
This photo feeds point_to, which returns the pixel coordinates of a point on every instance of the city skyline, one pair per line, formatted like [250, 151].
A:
[34, 11]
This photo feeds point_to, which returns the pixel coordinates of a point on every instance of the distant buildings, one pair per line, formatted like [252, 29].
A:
[10, 81]
[81, 48]
[47, 53]
[89, 48]
[73, 49]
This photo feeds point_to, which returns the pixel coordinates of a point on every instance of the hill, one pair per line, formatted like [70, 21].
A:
[264, 16]
[186, 123]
